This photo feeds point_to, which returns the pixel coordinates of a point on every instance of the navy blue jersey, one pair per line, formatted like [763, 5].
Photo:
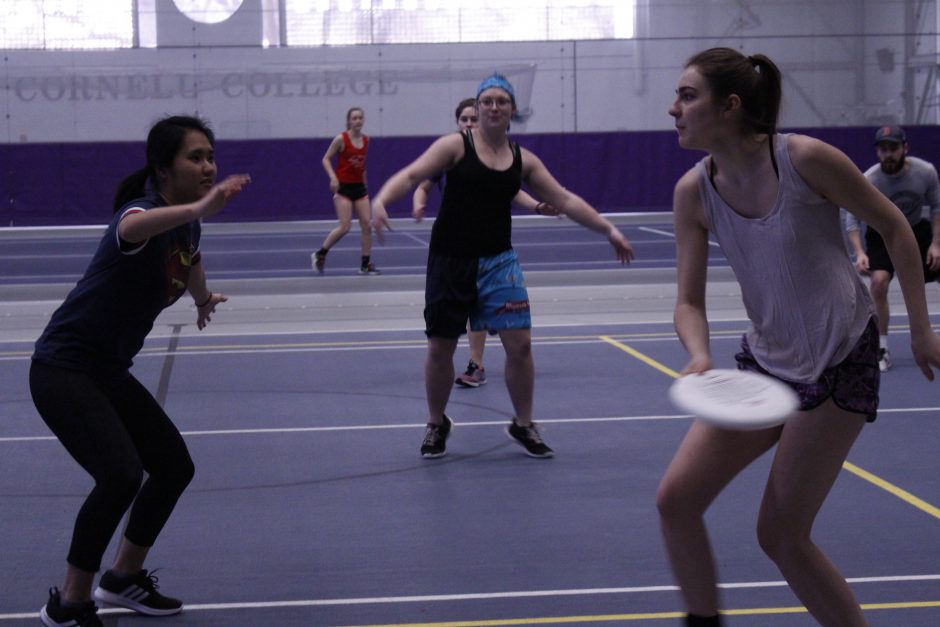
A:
[106, 317]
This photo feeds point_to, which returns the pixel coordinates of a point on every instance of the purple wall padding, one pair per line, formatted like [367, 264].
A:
[68, 184]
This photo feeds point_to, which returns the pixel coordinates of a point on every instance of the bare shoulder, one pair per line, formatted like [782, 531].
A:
[686, 189]
[808, 152]
[825, 168]
[687, 202]
[529, 161]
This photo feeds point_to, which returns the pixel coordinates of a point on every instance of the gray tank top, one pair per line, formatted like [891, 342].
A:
[807, 305]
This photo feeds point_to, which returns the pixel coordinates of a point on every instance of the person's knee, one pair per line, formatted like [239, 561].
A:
[880, 281]
[121, 482]
[441, 349]
[779, 537]
[517, 345]
[672, 502]
[178, 473]
[184, 472]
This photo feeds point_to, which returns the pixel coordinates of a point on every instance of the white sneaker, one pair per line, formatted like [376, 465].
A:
[884, 360]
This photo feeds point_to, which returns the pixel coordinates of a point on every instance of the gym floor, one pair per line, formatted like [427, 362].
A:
[303, 407]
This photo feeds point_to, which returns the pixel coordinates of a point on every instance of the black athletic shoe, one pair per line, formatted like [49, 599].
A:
[529, 439]
[435, 439]
[318, 260]
[136, 592]
[55, 614]
[369, 268]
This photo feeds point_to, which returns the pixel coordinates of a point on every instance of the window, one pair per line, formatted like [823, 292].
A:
[346, 22]
[67, 24]
[108, 24]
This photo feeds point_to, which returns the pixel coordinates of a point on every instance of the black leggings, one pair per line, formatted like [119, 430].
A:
[116, 432]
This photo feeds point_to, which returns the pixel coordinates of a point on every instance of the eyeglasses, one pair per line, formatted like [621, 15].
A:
[489, 103]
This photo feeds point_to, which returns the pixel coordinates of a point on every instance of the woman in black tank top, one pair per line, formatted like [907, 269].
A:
[484, 172]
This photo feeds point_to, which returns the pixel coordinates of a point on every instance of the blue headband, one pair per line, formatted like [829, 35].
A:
[496, 80]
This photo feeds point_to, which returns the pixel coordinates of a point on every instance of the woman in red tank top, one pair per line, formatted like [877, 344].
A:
[348, 186]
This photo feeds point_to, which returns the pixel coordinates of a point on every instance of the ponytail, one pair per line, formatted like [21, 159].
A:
[762, 116]
[133, 186]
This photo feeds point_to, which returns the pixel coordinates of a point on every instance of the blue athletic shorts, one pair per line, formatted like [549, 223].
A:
[489, 292]
[853, 383]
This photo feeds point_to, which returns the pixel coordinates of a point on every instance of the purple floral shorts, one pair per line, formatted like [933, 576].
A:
[852, 384]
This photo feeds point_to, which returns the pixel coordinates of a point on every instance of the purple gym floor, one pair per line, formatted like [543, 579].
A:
[303, 407]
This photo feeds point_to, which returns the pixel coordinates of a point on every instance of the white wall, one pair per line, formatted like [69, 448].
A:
[828, 50]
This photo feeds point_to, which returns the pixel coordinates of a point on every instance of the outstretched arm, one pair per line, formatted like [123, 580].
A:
[526, 201]
[139, 226]
[540, 180]
[443, 153]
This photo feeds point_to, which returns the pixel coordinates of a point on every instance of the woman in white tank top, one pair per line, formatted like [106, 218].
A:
[772, 202]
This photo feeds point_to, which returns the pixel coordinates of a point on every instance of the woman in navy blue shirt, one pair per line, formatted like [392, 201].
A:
[80, 378]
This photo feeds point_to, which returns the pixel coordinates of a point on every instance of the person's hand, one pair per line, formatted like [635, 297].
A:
[621, 245]
[334, 185]
[380, 220]
[861, 263]
[697, 365]
[204, 312]
[933, 256]
[417, 212]
[545, 209]
[926, 349]
[221, 193]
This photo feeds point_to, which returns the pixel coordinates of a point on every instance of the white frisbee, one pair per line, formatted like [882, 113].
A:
[735, 399]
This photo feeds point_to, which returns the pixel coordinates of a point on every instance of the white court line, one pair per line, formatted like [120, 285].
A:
[463, 425]
[522, 594]
[425, 243]
[671, 235]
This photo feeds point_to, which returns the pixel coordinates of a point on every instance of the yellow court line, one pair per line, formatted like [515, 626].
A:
[649, 361]
[602, 618]
[902, 494]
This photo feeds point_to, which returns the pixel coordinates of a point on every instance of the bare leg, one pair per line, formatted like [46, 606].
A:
[364, 213]
[808, 460]
[880, 281]
[707, 460]
[130, 557]
[439, 376]
[344, 213]
[520, 372]
[477, 341]
[77, 585]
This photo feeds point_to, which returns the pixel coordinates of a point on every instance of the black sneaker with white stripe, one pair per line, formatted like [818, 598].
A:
[58, 613]
[136, 592]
